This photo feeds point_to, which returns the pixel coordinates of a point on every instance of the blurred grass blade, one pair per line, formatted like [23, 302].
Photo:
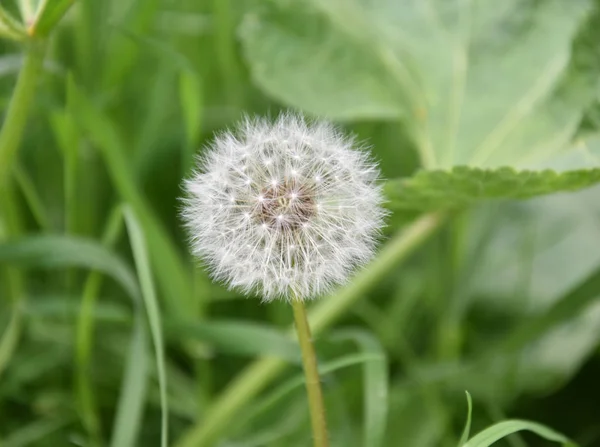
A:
[31, 196]
[67, 251]
[502, 429]
[297, 381]
[239, 337]
[86, 320]
[133, 389]
[566, 308]
[142, 263]
[190, 99]
[33, 432]
[10, 337]
[375, 380]
[173, 274]
[9, 26]
[48, 14]
[467, 430]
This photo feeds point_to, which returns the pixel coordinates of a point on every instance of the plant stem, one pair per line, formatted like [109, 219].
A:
[311, 373]
[18, 109]
[262, 371]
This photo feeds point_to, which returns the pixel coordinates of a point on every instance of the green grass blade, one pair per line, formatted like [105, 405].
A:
[133, 389]
[239, 337]
[138, 246]
[10, 337]
[376, 385]
[31, 433]
[502, 429]
[85, 332]
[173, 274]
[467, 430]
[31, 196]
[297, 381]
[67, 251]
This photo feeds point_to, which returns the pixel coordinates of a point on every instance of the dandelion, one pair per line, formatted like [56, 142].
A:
[286, 209]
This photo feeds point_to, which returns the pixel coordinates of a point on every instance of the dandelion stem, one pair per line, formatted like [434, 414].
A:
[311, 373]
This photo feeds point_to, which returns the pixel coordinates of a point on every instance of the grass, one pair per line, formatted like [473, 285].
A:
[110, 334]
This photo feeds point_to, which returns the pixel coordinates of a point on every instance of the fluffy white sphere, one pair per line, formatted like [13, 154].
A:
[286, 209]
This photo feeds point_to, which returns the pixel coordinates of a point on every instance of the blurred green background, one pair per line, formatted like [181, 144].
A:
[501, 300]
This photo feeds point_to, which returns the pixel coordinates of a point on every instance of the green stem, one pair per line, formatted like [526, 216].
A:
[10, 137]
[311, 373]
[262, 371]
[18, 109]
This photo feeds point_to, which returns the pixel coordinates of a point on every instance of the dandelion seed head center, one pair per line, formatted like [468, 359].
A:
[287, 205]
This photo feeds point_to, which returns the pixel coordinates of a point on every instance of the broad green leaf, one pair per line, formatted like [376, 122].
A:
[463, 186]
[297, 55]
[48, 14]
[375, 380]
[55, 251]
[142, 262]
[477, 83]
[539, 266]
[502, 429]
[240, 337]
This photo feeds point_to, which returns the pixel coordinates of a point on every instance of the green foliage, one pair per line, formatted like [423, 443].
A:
[476, 85]
[500, 430]
[485, 118]
[463, 186]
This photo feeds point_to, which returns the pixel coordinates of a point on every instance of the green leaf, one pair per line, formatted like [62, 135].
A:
[48, 14]
[537, 269]
[467, 430]
[191, 102]
[296, 55]
[132, 396]
[297, 381]
[10, 27]
[502, 429]
[138, 246]
[34, 432]
[55, 251]
[477, 84]
[463, 186]
[240, 337]
[173, 274]
[376, 385]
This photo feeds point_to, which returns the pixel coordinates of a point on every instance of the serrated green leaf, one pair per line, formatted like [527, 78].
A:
[463, 186]
[478, 84]
[502, 429]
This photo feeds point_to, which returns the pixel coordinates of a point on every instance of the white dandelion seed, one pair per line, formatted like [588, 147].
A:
[286, 209]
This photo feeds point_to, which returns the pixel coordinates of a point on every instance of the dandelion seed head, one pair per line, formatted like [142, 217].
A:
[287, 209]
